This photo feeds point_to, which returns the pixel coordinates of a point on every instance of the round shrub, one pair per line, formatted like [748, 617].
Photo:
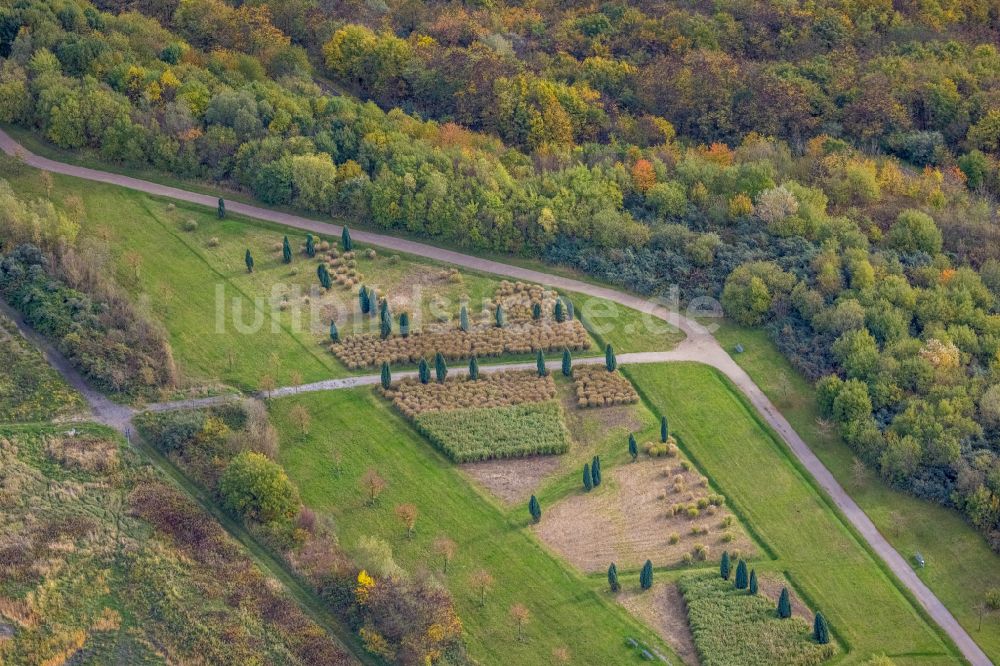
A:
[255, 487]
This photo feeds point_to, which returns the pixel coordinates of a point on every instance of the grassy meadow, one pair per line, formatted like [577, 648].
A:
[820, 555]
[30, 390]
[960, 566]
[352, 431]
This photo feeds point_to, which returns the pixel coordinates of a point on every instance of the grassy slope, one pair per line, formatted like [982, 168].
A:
[30, 390]
[825, 561]
[367, 433]
[960, 565]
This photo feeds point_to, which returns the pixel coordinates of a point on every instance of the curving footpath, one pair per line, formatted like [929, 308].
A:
[699, 346]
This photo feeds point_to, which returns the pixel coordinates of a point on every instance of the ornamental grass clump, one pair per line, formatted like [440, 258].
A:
[596, 387]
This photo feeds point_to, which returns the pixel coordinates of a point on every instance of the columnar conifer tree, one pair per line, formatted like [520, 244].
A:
[424, 371]
[646, 575]
[286, 251]
[334, 333]
[724, 566]
[474, 368]
[741, 581]
[463, 319]
[536, 311]
[221, 210]
[363, 299]
[386, 376]
[595, 471]
[540, 364]
[633, 447]
[610, 362]
[567, 363]
[588, 480]
[324, 276]
[613, 578]
[784, 604]
[385, 325]
[664, 433]
[570, 312]
[440, 367]
[404, 324]
[753, 581]
[248, 258]
[499, 316]
[559, 313]
[310, 246]
[535, 509]
[821, 631]
[345, 239]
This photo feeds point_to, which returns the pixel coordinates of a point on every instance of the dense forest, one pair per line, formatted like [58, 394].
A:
[827, 168]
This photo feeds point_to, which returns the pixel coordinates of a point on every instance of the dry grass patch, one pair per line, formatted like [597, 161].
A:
[513, 480]
[653, 509]
[596, 387]
[519, 298]
[495, 389]
[663, 610]
[482, 340]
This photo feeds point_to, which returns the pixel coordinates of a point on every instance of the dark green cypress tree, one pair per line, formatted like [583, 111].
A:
[784, 605]
[424, 371]
[741, 576]
[610, 362]
[535, 509]
[334, 333]
[821, 631]
[567, 363]
[221, 210]
[646, 576]
[500, 317]
[474, 368]
[386, 375]
[385, 325]
[633, 447]
[345, 239]
[724, 565]
[373, 302]
[463, 319]
[248, 258]
[570, 312]
[753, 581]
[323, 275]
[310, 246]
[540, 364]
[613, 578]
[588, 479]
[595, 470]
[440, 367]
[559, 313]
[536, 311]
[363, 299]
[404, 324]
[664, 433]
[286, 251]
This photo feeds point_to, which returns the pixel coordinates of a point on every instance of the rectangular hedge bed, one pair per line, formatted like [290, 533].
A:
[731, 626]
[469, 435]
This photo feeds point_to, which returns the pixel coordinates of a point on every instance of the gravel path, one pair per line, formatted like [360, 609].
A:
[699, 346]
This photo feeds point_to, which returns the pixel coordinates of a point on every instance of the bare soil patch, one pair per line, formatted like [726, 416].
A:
[770, 587]
[663, 610]
[513, 480]
[631, 518]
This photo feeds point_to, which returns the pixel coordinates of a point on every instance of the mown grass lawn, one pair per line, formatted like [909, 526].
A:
[364, 432]
[960, 565]
[826, 562]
